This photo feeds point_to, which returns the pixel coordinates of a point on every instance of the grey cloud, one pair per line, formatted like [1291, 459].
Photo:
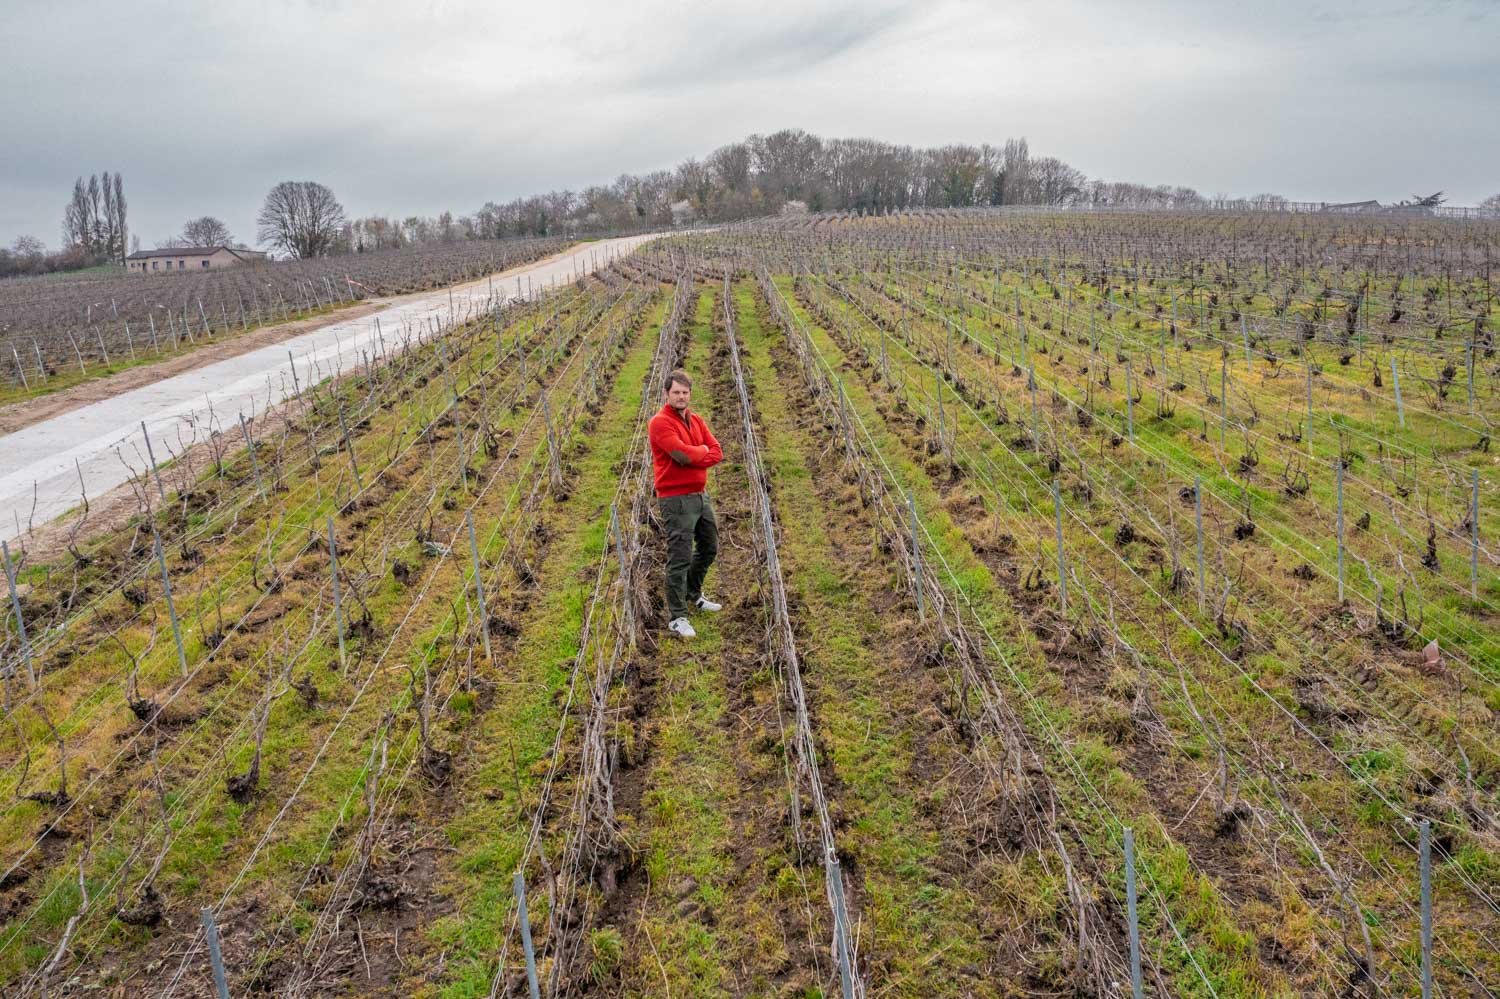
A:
[415, 108]
[748, 49]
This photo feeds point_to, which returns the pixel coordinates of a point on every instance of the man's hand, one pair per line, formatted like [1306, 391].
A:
[670, 437]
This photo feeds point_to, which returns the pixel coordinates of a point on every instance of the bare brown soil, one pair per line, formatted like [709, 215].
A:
[761, 813]
[381, 944]
[953, 796]
[758, 810]
[1186, 799]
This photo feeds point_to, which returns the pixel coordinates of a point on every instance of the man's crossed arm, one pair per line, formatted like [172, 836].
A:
[672, 439]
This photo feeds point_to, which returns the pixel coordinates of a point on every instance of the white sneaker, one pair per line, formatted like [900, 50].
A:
[681, 627]
[708, 606]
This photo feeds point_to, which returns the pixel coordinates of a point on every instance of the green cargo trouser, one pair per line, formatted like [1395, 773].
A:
[692, 542]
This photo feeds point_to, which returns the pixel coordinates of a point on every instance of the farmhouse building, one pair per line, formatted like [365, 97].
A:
[190, 258]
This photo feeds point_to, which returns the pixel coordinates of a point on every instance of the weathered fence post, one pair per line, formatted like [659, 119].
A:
[463, 450]
[1198, 520]
[166, 585]
[296, 382]
[215, 959]
[1062, 563]
[1471, 376]
[526, 945]
[20, 369]
[1307, 358]
[254, 462]
[15, 603]
[77, 353]
[349, 446]
[1425, 852]
[1036, 413]
[1223, 395]
[1136, 988]
[447, 370]
[1474, 538]
[916, 559]
[942, 418]
[1396, 382]
[338, 598]
[840, 925]
[1338, 471]
[484, 618]
[150, 454]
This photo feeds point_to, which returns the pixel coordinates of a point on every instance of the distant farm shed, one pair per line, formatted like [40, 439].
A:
[194, 258]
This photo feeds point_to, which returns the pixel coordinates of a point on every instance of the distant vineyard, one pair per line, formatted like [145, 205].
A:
[1111, 606]
[49, 325]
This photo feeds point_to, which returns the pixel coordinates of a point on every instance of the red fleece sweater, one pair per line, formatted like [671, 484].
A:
[682, 452]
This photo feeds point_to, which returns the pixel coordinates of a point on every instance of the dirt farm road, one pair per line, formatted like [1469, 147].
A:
[41, 464]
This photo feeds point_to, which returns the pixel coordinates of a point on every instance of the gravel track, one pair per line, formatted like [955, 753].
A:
[41, 464]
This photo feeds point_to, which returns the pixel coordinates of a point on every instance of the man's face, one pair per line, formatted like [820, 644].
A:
[678, 395]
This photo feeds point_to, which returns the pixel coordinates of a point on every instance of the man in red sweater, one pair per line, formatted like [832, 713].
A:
[682, 452]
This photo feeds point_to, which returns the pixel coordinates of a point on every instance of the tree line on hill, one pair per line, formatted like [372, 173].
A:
[789, 170]
[786, 170]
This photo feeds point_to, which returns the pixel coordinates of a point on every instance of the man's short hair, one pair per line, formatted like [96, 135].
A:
[678, 376]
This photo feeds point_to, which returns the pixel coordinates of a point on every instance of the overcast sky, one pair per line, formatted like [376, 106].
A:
[412, 107]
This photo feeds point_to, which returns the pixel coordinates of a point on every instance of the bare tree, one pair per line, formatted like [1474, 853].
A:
[94, 219]
[1269, 201]
[1015, 172]
[1054, 182]
[206, 231]
[28, 248]
[379, 233]
[731, 165]
[956, 173]
[98, 234]
[302, 218]
[79, 221]
[694, 183]
[114, 236]
[122, 229]
[788, 161]
[752, 178]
